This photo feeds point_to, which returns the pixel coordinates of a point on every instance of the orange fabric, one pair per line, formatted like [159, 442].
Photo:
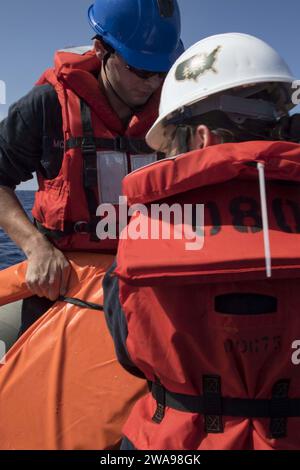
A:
[221, 178]
[61, 386]
[233, 242]
[189, 339]
[12, 284]
[172, 295]
[212, 165]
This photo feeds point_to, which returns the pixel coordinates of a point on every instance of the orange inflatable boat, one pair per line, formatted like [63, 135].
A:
[61, 386]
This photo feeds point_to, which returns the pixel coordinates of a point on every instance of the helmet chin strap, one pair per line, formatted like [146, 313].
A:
[132, 109]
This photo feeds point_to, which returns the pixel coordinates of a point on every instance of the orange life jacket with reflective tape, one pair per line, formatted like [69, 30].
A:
[95, 138]
[216, 329]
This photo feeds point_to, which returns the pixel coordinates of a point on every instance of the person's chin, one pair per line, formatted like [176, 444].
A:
[140, 99]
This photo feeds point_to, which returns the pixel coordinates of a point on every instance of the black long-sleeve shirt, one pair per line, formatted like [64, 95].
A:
[31, 137]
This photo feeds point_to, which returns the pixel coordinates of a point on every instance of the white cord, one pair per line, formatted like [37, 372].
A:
[265, 221]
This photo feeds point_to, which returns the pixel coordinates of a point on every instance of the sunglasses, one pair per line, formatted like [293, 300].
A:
[145, 74]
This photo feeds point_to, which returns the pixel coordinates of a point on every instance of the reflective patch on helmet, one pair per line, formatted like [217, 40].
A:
[197, 65]
[80, 50]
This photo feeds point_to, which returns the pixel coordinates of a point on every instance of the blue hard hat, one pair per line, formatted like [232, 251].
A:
[146, 33]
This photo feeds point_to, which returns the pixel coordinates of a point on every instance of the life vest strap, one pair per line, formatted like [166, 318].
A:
[160, 397]
[81, 226]
[117, 144]
[71, 228]
[81, 303]
[88, 144]
[213, 405]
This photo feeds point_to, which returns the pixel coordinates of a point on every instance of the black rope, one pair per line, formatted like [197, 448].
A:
[81, 303]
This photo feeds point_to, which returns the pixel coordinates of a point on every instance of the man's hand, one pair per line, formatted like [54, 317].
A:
[48, 272]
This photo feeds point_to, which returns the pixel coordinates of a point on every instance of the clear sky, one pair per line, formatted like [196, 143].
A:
[31, 30]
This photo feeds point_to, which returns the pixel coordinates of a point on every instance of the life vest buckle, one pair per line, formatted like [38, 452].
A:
[120, 144]
[212, 404]
[88, 145]
[279, 409]
[81, 227]
[160, 396]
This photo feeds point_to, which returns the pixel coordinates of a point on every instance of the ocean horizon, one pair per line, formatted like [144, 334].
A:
[10, 254]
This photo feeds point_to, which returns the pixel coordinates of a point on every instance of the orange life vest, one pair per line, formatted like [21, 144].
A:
[218, 339]
[65, 207]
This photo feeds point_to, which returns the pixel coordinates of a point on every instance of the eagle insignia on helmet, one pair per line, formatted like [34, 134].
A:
[197, 65]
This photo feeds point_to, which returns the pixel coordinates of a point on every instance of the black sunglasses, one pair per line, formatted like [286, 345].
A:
[145, 74]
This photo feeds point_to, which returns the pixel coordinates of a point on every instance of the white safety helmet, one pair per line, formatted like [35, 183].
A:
[212, 67]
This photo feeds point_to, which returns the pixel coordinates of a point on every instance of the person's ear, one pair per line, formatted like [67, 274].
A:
[203, 137]
[99, 49]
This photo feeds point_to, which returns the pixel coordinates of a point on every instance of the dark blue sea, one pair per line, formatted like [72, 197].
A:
[9, 252]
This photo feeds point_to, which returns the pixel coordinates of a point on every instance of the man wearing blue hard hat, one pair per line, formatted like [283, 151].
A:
[82, 130]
